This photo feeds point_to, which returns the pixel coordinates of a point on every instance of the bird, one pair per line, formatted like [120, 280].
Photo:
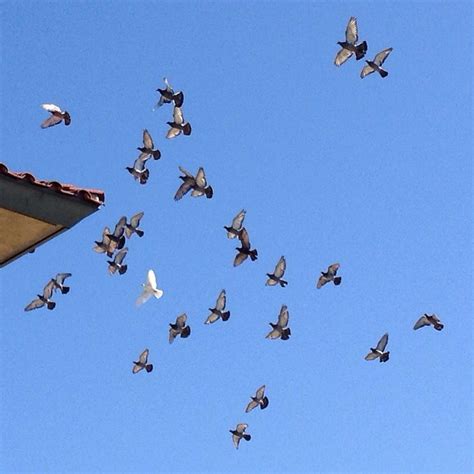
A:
[236, 227]
[376, 64]
[378, 352]
[198, 184]
[178, 125]
[149, 289]
[429, 320]
[132, 228]
[103, 246]
[168, 95]
[245, 249]
[179, 328]
[117, 239]
[116, 263]
[275, 278]
[239, 433]
[329, 275]
[59, 282]
[148, 148]
[56, 117]
[142, 363]
[218, 311]
[44, 299]
[350, 46]
[139, 170]
[259, 400]
[280, 329]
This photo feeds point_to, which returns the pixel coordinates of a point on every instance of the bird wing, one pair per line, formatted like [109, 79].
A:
[212, 318]
[201, 178]
[351, 31]
[283, 317]
[221, 301]
[274, 334]
[48, 289]
[244, 238]
[236, 440]
[371, 356]
[35, 304]
[136, 368]
[252, 404]
[423, 321]
[51, 108]
[172, 335]
[120, 256]
[144, 297]
[342, 56]
[280, 267]
[181, 320]
[135, 220]
[173, 132]
[197, 193]
[183, 189]
[51, 121]
[435, 318]
[119, 227]
[239, 258]
[366, 70]
[178, 116]
[185, 172]
[168, 85]
[139, 163]
[332, 269]
[241, 427]
[151, 279]
[238, 220]
[144, 356]
[322, 281]
[260, 392]
[382, 56]
[60, 277]
[382, 343]
[271, 282]
[147, 140]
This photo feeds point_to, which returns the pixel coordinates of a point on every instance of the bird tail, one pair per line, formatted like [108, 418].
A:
[247, 437]
[156, 154]
[149, 367]
[439, 326]
[209, 192]
[337, 281]
[285, 335]
[253, 255]
[361, 49]
[225, 316]
[65, 289]
[186, 331]
[187, 129]
[51, 304]
[139, 232]
[123, 269]
[283, 283]
[265, 403]
[383, 72]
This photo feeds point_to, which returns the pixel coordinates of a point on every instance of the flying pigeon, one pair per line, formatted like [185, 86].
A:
[178, 125]
[59, 282]
[168, 95]
[379, 350]
[57, 116]
[117, 239]
[235, 229]
[149, 289]
[259, 400]
[147, 148]
[376, 64]
[329, 275]
[43, 299]
[429, 320]
[218, 311]
[280, 329]
[239, 433]
[275, 278]
[139, 170]
[116, 264]
[244, 250]
[179, 328]
[350, 46]
[198, 184]
[103, 247]
[142, 363]
[132, 228]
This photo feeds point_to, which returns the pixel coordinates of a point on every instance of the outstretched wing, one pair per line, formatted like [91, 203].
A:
[135, 220]
[253, 404]
[48, 289]
[143, 298]
[151, 279]
[382, 56]
[260, 392]
[280, 267]
[238, 220]
[201, 178]
[332, 269]
[185, 172]
[351, 31]
[244, 238]
[144, 356]
[423, 321]
[382, 343]
[239, 258]
[212, 318]
[60, 277]
[178, 116]
[366, 70]
[322, 281]
[35, 304]
[51, 121]
[221, 301]
[283, 317]
[173, 132]
[273, 334]
[147, 140]
[181, 320]
[119, 227]
[371, 356]
[183, 189]
[120, 256]
[342, 56]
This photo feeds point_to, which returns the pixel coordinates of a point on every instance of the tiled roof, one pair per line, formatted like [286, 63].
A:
[95, 196]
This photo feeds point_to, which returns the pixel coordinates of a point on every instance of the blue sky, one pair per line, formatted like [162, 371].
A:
[374, 174]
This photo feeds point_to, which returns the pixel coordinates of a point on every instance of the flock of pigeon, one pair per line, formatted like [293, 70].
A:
[113, 243]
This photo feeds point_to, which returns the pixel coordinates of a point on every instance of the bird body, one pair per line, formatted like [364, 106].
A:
[280, 329]
[149, 289]
[44, 299]
[56, 117]
[239, 433]
[244, 250]
[218, 311]
[329, 275]
[379, 351]
[142, 363]
[259, 400]
[376, 64]
[275, 278]
[350, 46]
[429, 320]
[179, 328]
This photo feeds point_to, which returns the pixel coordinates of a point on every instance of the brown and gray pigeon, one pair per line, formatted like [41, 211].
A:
[178, 125]
[329, 275]
[132, 228]
[148, 147]
[280, 329]
[236, 228]
[376, 64]
[56, 117]
[218, 311]
[59, 282]
[350, 46]
[142, 363]
[378, 352]
[198, 184]
[179, 328]
[104, 245]
[259, 400]
[275, 278]
[168, 95]
[244, 250]
[117, 239]
[44, 299]
[239, 433]
[116, 263]
[139, 170]
[429, 320]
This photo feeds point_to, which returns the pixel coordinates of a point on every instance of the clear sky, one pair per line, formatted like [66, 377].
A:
[374, 174]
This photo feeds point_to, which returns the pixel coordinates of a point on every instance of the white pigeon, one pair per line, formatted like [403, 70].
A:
[149, 289]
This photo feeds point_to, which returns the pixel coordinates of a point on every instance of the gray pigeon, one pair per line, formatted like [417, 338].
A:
[275, 278]
[350, 46]
[59, 282]
[259, 400]
[142, 363]
[178, 125]
[116, 263]
[329, 275]
[117, 239]
[198, 184]
[378, 352]
[56, 117]
[244, 250]
[44, 299]
[280, 329]
[429, 320]
[168, 95]
[148, 147]
[139, 170]
[132, 228]
[376, 64]
[235, 229]
[218, 311]
[239, 433]
[103, 247]
[179, 328]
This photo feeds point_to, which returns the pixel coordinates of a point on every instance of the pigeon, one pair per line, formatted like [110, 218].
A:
[103, 247]
[275, 277]
[168, 95]
[147, 148]
[43, 299]
[379, 350]
[139, 170]
[329, 275]
[116, 264]
[218, 311]
[178, 125]
[59, 282]
[429, 320]
[259, 400]
[376, 64]
[239, 433]
[179, 328]
[244, 250]
[57, 116]
[350, 46]
[142, 363]
[198, 184]
[117, 239]
[149, 289]
[279, 330]
[132, 228]
[235, 229]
